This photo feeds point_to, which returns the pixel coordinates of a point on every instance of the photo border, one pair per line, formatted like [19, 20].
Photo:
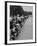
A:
[6, 22]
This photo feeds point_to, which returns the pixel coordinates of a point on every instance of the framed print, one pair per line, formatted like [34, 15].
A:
[20, 22]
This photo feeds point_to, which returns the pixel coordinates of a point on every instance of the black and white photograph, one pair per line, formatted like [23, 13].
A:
[20, 22]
